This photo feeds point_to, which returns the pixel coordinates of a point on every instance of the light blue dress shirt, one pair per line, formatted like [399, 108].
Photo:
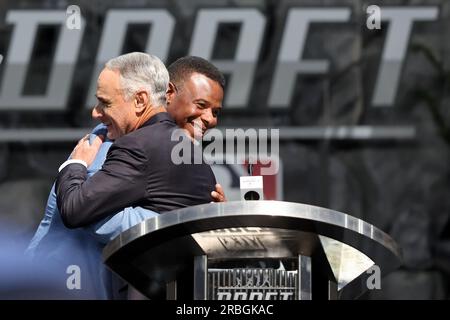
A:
[61, 247]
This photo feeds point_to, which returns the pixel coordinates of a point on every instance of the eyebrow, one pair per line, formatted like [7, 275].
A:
[101, 99]
[206, 102]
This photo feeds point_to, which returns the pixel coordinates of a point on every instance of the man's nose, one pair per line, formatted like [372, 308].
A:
[96, 114]
[208, 118]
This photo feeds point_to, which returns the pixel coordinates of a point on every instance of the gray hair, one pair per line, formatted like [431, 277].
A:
[141, 71]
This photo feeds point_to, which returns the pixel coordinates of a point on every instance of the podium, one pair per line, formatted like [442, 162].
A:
[255, 250]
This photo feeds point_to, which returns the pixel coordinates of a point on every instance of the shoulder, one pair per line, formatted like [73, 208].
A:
[127, 142]
[146, 140]
[129, 147]
[154, 135]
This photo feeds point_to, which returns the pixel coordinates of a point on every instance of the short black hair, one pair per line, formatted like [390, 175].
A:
[182, 68]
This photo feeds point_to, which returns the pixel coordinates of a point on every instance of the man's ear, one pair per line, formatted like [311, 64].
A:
[170, 93]
[141, 100]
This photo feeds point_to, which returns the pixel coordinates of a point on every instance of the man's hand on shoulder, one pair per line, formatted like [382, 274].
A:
[218, 195]
[85, 150]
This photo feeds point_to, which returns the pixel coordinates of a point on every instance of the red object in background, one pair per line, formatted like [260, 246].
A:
[228, 176]
[273, 186]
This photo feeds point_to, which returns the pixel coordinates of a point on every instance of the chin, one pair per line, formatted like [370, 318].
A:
[189, 130]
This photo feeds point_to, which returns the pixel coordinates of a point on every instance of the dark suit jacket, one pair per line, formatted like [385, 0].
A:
[138, 171]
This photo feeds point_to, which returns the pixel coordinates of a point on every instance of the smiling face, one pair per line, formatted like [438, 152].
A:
[112, 109]
[196, 102]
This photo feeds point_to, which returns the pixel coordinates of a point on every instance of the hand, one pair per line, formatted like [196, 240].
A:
[86, 151]
[218, 195]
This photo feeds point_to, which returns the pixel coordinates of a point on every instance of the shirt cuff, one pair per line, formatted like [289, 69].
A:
[66, 163]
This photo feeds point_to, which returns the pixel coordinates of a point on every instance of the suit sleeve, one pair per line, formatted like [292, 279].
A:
[120, 183]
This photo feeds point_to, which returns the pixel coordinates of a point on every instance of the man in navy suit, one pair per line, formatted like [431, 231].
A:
[139, 169]
[195, 94]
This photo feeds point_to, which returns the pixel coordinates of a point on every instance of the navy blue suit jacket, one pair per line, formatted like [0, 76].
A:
[139, 171]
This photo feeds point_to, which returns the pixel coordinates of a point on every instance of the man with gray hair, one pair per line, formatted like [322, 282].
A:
[138, 170]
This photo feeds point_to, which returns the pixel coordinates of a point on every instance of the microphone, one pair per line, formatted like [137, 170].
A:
[251, 186]
[250, 169]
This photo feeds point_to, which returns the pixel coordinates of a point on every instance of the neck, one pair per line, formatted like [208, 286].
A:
[147, 114]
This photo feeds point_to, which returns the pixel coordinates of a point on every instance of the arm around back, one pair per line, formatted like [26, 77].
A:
[120, 183]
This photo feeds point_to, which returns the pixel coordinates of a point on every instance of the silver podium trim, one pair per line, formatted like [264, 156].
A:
[310, 221]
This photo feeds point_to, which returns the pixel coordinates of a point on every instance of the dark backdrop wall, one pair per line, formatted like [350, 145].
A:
[364, 131]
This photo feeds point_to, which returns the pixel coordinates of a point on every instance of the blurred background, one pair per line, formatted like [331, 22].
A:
[362, 107]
